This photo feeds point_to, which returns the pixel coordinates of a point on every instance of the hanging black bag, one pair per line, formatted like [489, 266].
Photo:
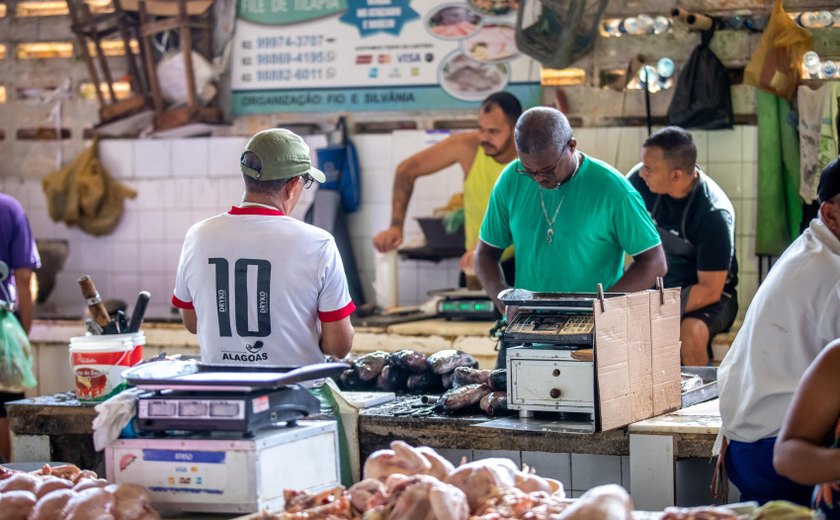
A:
[702, 98]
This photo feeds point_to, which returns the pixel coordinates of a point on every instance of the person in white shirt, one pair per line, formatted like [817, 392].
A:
[258, 286]
[795, 313]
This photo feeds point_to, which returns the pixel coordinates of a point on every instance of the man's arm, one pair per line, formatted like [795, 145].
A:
[25, 299]
[642, 273]
[489, 270]
[459, 148]
[706, 291]
[799, 452]
[190, 320]
[337, 337]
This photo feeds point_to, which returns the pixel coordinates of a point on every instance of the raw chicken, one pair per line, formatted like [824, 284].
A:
[361, 492]
[610, 502]
[401, 458]
[423, 497]
[481, 478]
[441, 468]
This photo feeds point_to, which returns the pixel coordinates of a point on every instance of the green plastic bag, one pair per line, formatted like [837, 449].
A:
[15, 354]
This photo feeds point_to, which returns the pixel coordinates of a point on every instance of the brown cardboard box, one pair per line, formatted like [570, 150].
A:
[637, 357]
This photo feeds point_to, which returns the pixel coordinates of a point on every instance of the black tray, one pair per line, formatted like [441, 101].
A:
[189, 375]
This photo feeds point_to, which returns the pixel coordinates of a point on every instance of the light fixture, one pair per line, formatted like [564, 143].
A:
[122, 90]
[40, 50]
[2, 10]
[114, 47]
[2, 51]
[2, 94]
[562, 77]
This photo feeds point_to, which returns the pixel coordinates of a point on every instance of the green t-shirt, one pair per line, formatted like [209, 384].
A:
[601, 217]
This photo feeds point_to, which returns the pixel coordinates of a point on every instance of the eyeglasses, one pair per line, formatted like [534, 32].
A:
[307, 181]
[548, 172]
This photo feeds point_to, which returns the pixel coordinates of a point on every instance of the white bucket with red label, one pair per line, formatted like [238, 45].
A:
[98, 363]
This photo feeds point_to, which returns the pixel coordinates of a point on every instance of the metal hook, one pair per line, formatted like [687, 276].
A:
[601, 297]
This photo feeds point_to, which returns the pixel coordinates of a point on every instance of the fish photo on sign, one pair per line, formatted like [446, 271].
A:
[469, 80]
[492, 44]
[452, 22]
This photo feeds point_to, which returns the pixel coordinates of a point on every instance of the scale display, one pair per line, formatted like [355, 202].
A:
[574, 329]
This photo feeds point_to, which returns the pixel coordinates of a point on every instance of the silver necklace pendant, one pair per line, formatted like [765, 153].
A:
[549, 235]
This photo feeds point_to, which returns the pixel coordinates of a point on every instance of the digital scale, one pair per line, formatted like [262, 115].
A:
[465, 304]
[189, 396]
[219, 438]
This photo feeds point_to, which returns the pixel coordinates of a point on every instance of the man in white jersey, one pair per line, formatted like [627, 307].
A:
[258, 286]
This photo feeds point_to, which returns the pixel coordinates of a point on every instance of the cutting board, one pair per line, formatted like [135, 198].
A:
[368, 399]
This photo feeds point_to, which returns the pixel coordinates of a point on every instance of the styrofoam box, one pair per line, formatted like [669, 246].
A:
[223, 474]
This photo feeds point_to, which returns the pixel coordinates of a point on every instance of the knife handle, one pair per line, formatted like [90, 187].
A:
[139, 311]
[94, 301]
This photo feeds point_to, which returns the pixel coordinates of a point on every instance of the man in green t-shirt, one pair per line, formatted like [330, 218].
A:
[570, 217]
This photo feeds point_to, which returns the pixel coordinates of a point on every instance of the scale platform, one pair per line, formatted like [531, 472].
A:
[191, 397]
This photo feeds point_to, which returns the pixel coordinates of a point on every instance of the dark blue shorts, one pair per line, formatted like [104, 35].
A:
[749, 465]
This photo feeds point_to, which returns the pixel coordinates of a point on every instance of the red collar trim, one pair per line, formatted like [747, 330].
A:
[255, 210]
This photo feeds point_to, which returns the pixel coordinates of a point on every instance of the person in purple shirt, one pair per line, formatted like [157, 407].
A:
[19, 253]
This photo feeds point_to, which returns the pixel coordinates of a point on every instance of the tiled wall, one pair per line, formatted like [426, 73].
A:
[181, 181]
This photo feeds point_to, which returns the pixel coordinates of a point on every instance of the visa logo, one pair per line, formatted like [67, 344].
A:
[409, 58]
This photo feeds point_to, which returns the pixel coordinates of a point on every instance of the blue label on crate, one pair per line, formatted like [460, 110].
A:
[204, 457]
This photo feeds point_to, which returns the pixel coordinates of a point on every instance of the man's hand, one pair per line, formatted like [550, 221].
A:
[388, 240]
[467, 263]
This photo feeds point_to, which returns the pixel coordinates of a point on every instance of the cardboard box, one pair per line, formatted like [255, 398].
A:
[637, 357]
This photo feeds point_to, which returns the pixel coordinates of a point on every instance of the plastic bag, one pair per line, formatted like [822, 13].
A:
[775, 64]
[172, 76]
[702, 98]
[340, 165]
[15, 354]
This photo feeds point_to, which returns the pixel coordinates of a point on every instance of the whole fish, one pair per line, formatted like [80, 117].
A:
[424, 383]
[392, 379]
[461, 398]
[446, 361]
[494, 404]
[411, 360]
[464, 376]
[350, 380]
[371, 365]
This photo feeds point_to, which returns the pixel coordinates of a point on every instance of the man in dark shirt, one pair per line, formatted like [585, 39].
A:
[696, 221]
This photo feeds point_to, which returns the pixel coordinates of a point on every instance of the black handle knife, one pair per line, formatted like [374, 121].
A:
[139, 311]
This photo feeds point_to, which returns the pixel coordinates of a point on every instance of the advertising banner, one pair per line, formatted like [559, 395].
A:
[377, 55]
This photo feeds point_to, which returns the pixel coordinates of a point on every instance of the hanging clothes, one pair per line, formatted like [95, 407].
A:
[779, 204]
[818, 140]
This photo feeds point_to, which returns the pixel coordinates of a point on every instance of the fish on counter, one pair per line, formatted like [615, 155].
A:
[411, 360]
[392, 379]
[371, 365]
[464, 376]
[448, 360]
[494, 404]
[426, 382]
[461, 398]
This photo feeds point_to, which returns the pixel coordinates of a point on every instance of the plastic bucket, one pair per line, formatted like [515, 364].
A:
[98, 363]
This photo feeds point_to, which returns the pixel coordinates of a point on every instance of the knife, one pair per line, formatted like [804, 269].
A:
[139, 311]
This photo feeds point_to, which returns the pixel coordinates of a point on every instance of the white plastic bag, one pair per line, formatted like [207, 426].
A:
[172, 77]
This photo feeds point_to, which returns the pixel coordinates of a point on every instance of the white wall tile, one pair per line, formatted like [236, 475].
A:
[630, 144]
[224, 156]
[725, 145]
[190, 157]
[701, 142]
[728, 176]
[150, 226]
[749, 179]
[152, 158]
[152, 257]
[749, 143]
[117, 156]
[150, 195]
[178, 221]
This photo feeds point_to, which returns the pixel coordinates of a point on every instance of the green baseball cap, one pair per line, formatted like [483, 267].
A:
[283, 155]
